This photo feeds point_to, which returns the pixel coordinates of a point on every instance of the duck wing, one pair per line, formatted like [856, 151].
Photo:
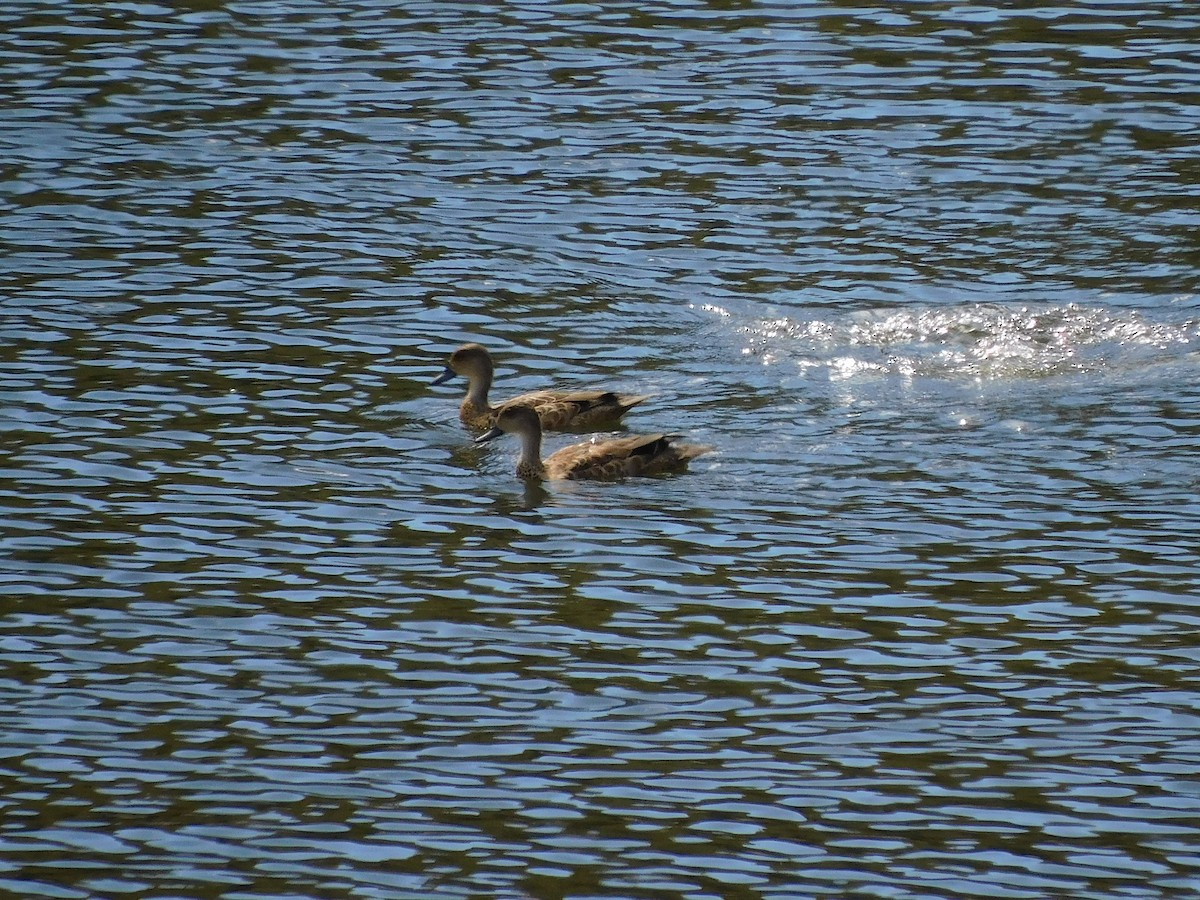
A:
[609, 460]
[564, 409]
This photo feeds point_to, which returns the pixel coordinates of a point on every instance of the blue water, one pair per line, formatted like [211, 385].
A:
[924, 625]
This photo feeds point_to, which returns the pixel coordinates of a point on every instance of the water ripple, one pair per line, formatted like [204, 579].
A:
[924, 625]
[983, 341]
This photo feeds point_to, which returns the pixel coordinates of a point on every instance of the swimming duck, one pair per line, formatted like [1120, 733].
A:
[646, 454]
[557, 410]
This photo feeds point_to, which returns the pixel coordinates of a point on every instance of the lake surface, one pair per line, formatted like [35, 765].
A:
[926, 625]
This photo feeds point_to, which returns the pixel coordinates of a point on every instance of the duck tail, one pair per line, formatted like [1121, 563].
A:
[628, 401]
[686, 451]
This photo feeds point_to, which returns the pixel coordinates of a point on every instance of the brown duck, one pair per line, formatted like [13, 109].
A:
[557, 410]
[647, 454]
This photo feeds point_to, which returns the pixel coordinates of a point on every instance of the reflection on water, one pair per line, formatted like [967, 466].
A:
[925, 624]
[985, 341]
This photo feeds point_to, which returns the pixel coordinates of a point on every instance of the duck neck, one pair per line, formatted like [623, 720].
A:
[530, 463]
[478, 385]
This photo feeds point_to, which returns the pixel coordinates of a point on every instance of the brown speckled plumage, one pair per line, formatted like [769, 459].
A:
[556, 410]
[608, 460]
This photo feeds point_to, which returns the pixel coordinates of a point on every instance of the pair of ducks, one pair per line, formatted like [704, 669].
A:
[529, 414]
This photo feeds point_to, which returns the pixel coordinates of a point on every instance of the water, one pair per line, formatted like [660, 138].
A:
[924, 626]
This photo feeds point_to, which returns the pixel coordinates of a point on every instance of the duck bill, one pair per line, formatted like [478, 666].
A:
[490, 435]
[444, 377]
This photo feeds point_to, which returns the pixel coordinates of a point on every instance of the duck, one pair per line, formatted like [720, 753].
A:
[557, 410]
[605, 460]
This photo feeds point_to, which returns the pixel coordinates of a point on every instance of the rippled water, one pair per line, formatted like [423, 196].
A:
[924, 626]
